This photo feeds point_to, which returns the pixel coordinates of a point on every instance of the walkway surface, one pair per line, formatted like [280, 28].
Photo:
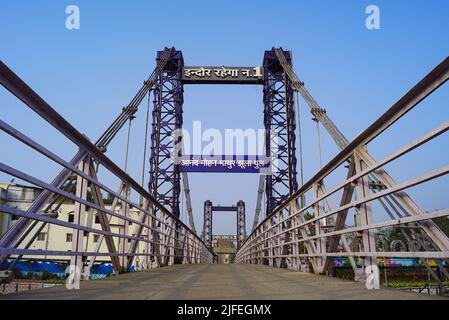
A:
[218, 282]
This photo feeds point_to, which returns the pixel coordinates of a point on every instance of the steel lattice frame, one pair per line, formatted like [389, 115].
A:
[207, 223]
[241, 223]
[164, 183]
[209, 210]
[279, 120]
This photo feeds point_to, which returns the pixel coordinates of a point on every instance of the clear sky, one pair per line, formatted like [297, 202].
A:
[88, 75]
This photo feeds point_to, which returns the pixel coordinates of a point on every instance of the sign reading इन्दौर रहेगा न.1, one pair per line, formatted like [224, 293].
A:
[230, 75]
[225, 164]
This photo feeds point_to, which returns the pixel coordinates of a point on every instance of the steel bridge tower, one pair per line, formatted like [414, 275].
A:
[164, 181]
[279, 120]
[209, 210]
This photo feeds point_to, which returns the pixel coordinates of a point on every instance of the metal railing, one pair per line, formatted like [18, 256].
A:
[125, 224]
[309, 230]
[412, 278]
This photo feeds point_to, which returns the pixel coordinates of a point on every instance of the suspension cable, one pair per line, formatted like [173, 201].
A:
[127, 144]
[131, 109]
[318, 136]
[301, 167]
[336, 134]
[144, 162]
[301, 170]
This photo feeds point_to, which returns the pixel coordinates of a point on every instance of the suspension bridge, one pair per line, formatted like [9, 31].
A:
[292, 251]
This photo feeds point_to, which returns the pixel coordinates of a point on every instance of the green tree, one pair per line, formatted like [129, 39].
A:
[443, 223]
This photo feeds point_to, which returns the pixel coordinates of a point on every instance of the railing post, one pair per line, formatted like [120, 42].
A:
[262, 244]
[197, 252]
[124, 229]
[156, 238]
[79, 219]
[320, 242]
[364, 215]
[172, 242]
[294, 236]
[148, 244]
[279, 246]
[270, 235]
[189, 246]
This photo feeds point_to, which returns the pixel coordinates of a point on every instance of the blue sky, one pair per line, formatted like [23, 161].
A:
[88, 75]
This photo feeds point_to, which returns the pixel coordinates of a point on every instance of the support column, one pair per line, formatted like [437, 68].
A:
[124, 229]
[364, 214]
[320, 242]
[279, 119]
[165, 184]
[79, 219]
[207, 227]
[241, 223]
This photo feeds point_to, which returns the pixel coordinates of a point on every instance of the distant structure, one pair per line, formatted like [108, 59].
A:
[225, 247]
[209, 210]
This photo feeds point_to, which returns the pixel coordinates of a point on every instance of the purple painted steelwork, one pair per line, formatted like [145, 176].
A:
[241, 223]
[209, 210]
[279, 118]
[164, 182]
[207, 224]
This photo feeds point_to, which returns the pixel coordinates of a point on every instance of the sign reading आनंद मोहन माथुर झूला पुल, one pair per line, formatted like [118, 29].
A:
[228, 164]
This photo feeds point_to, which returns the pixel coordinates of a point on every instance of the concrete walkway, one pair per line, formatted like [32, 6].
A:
[218, 282]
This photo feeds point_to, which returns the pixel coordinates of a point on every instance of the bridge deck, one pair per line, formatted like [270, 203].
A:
[218, 282]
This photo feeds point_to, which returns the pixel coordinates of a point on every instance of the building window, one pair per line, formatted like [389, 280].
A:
[97, 219]
[71, 218]
[68, 237]
[41, 236]
[96, 238]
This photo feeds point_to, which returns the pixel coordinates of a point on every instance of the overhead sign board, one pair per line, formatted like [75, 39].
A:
[223, 75]
[223, 164]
